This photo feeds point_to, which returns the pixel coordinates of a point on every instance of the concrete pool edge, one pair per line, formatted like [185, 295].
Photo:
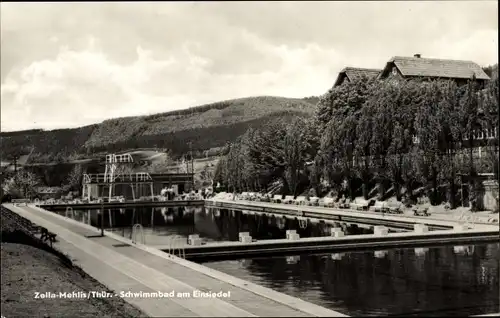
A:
[290, 301]
[326, 212]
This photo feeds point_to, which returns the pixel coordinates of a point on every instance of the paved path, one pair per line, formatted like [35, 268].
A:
[122, 266]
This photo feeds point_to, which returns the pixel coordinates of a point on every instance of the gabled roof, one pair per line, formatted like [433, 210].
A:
[354, 73]
[424, 67]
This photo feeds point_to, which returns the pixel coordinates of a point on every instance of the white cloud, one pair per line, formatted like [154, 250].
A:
[71, 65]
[82, 87]
[480, 47]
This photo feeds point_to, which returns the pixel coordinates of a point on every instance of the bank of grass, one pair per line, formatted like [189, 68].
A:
[29, 266]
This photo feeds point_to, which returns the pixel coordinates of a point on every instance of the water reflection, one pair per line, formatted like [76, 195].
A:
[211, 224]
[430, 282]
[337, 256]
[380, 254]
[292, 259]
[421, 251]
[460, 280]
[464, 250]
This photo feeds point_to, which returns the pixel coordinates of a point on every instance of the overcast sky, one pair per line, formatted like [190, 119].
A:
[72, 64]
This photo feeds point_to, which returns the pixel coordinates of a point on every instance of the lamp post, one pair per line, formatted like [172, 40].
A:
[102, 217]
[192, 163]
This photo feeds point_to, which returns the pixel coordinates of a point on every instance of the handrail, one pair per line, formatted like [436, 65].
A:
[104, 178]
[170, 249]
[468, 220]
[302, 223]
[136, 228]
[70, 209]
[173, 246]
[120, 158]
[176, 240]
[86, 178]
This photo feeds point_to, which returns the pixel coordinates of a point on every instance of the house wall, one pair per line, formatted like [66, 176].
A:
[490, 197]
[394, 73]
[343, 79]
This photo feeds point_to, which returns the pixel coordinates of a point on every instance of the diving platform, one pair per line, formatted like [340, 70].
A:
[119, 176]
[103, 179]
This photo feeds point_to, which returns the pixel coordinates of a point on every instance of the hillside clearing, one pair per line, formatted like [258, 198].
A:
[198, 128]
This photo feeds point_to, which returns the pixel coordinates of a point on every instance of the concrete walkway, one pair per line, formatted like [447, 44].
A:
[123, 266]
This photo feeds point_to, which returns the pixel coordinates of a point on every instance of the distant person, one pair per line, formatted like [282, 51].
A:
[163, 192]
[170, 194]
[198, 195]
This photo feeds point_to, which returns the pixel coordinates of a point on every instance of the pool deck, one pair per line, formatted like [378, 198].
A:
[330, 244]
[122, 265]
[339, 215]
[121, 205]
[444, 237]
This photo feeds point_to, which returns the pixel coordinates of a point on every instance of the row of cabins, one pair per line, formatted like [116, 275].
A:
[461, 72]
[417, 67]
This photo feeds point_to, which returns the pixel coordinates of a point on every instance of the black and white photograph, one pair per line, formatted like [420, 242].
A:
[249, 159]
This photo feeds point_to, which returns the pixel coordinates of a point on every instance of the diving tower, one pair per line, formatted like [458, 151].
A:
[118, 171]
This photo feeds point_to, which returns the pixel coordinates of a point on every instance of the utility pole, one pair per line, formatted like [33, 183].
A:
[192, 162]
[15, 164]
[102, 218]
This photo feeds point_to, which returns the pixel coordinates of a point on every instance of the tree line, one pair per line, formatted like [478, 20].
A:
[63, 145]
[405, 138]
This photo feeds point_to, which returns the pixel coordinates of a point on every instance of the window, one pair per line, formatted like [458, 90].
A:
[490, 133]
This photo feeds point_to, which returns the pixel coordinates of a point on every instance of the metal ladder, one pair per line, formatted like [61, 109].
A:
[173, 246]
[70, 209]
[468, 220]
[302, 223]
[135, 229]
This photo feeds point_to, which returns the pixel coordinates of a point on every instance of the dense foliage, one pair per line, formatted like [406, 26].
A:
[21, 185]
[369, 137]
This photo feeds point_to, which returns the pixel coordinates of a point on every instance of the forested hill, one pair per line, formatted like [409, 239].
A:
[207, 127]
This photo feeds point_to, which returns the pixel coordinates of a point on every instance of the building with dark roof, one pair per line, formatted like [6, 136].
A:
[418, 67]
[349, 74]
